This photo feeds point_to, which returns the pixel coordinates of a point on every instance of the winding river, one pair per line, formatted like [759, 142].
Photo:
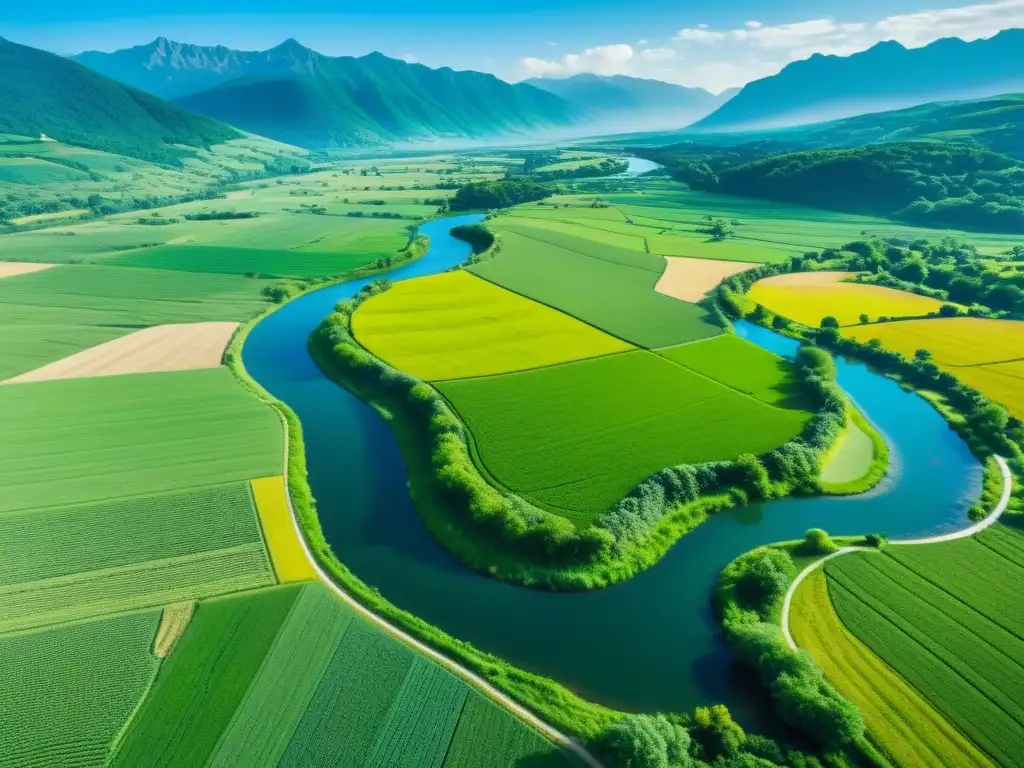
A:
[649, 644]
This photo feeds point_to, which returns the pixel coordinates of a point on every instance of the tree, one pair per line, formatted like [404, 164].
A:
[780, 323]
[764, 579]
[829, 322]
[922, 355]
[949, 310]
[646, 741]
[717, 731]
[1005, 296]
[865, 319]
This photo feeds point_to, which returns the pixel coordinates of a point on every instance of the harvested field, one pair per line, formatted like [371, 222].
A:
[690, 279]
[808, 297]
[576, 438]
[172, 624]
[286, 552]
[455, 325]
[162, 348]
[12, 268]
[899, 719]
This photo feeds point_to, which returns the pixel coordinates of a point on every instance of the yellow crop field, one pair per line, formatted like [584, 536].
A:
[286, 552]
[456, 325]
[808, 297]
[901, 722]
[953, 341]
[987, 355]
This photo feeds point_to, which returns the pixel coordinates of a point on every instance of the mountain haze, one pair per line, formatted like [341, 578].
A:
[46, 93]
[297, 95]
[632, 103]
[884, 77]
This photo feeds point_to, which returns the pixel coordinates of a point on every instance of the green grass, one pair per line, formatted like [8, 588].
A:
[586, 235]
[266, 719]
[602, 289]
[48, 315]
[205, 679]
[419, 726]
[31, 171]
[361, 682]
[82, 440]
[68, 691]
[65, 563]
[578, 437]
[241, 261]
[851, 457]
[948, 618]
[702, 247]
[742, 366]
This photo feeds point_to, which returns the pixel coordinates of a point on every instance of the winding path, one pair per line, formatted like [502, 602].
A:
[981, 525]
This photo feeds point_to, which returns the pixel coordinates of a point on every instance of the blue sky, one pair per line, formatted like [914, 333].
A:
[706, 43]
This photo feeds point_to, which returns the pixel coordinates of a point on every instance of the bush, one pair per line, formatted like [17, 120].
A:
[818, 542]
[646, 741]
[763, 579]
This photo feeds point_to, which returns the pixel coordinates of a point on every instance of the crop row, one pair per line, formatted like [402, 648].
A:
[966, 665]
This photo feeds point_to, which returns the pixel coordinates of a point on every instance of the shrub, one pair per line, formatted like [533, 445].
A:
[646, 741]
[818, 542]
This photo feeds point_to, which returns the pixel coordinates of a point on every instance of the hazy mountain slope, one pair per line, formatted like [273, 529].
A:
[633, 101]
[297, 95]
[887, 76]
[170, 70]
[350, 101]
[44, 93]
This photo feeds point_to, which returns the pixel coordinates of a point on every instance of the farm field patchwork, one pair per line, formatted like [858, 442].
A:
[586, 235]
[182, 347]
[12, 268]
[701, 246]
[807, 297]
[455, 325]
[70, 562]
[690, 279]
[283, 542]
[903, 723]
[396, 707]
[743, 366]
[68, 691]
[987, 355]
[558, 436]
[608, 294]
[46, 316]
[947, 617]
[82, 440]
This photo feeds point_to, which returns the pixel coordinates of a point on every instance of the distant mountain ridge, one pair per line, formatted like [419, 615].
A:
[636, 103]
[49, 94]
[297, 95]
[887, 76]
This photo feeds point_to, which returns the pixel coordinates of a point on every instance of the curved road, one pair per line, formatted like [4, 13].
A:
[981, 525]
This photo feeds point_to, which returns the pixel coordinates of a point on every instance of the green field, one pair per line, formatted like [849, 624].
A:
[49, 315]
[83, 440]
[603, 290]
[948, 618]
[65, 563]
[68, 691]
[576, 438]
[290, 676]
[742, 366]
[455, 325]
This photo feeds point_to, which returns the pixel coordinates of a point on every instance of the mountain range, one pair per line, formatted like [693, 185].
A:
[297, 95]
[885, 77]
[633, 103]
[49, 94]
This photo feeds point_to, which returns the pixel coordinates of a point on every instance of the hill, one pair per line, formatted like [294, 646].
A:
[927, 183]
[297, 95]
[637, 102]
[60, 98]
[886, 76]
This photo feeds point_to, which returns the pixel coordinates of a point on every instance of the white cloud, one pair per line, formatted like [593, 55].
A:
[409, 58]
[721, 58]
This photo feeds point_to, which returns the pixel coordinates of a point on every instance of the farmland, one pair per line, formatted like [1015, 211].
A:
[555, 436]
[901, 721]
[809, 297]
[70, 562]
[456, 325]
[947, 618]
[82, 440]
[690, 279]
[223, 684]
[605, 291]
[984, 354]
[108, 666]
[286, 552]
